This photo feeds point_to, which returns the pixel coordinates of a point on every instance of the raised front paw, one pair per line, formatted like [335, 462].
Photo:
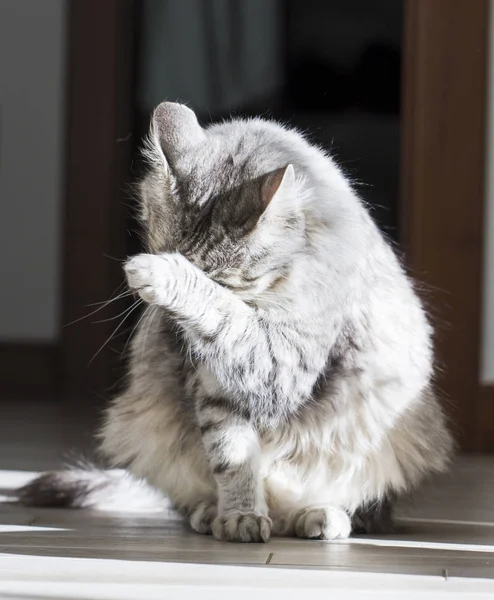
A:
[326, 523]
[144, 273]
[155, 276]
[242, 527]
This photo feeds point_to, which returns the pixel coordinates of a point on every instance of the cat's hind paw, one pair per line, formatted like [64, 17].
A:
[202, 517]
[323, 523]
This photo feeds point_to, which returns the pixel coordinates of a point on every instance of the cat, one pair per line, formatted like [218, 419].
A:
[280, 380]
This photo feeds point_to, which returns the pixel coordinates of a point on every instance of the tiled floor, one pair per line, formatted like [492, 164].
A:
[446, 536]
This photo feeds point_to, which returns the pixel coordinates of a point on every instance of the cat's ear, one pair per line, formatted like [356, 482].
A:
[176, 129]
[278, 191]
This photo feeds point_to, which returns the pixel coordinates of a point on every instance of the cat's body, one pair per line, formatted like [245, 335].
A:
[281, 376]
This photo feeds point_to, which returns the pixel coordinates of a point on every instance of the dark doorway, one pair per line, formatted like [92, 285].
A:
[311, 64]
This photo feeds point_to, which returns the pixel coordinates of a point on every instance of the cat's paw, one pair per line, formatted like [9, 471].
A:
[144, 273]
[155, 276]
[242, 527]
[323, 523]
[202, 517]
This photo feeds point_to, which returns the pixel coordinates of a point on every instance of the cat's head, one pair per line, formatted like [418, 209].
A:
[224, 196]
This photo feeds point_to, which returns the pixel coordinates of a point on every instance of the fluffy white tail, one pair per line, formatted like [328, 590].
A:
[90, 487]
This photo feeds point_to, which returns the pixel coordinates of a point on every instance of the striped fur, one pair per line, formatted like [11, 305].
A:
[280, 380]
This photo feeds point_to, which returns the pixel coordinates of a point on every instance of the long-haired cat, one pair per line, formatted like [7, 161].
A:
[280, 380]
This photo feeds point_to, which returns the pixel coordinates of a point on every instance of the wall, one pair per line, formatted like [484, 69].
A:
[487, 370]
[31, 162]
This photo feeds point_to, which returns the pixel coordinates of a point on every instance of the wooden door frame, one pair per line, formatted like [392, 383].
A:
[442, 192]
[99, 135]
[442, 187]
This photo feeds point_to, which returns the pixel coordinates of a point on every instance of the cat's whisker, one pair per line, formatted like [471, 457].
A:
[131, 335]
[104, 305]
[119, 260]
[119, 315]
[118, 290]
[115, 331]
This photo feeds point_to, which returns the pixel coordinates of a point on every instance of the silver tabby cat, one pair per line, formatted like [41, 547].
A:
[280, 379]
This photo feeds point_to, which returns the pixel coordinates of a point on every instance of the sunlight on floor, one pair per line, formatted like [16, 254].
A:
[444, 543]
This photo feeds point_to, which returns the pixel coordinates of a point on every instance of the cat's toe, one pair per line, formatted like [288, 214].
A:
[202, 517]
[326, 523]
[242, 527]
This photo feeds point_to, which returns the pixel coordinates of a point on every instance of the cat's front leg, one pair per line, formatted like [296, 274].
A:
[170, 280]
[233, 451]
[247, 354]
[230, 440]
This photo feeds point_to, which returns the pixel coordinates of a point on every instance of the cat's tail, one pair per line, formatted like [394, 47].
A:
[91, 487]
